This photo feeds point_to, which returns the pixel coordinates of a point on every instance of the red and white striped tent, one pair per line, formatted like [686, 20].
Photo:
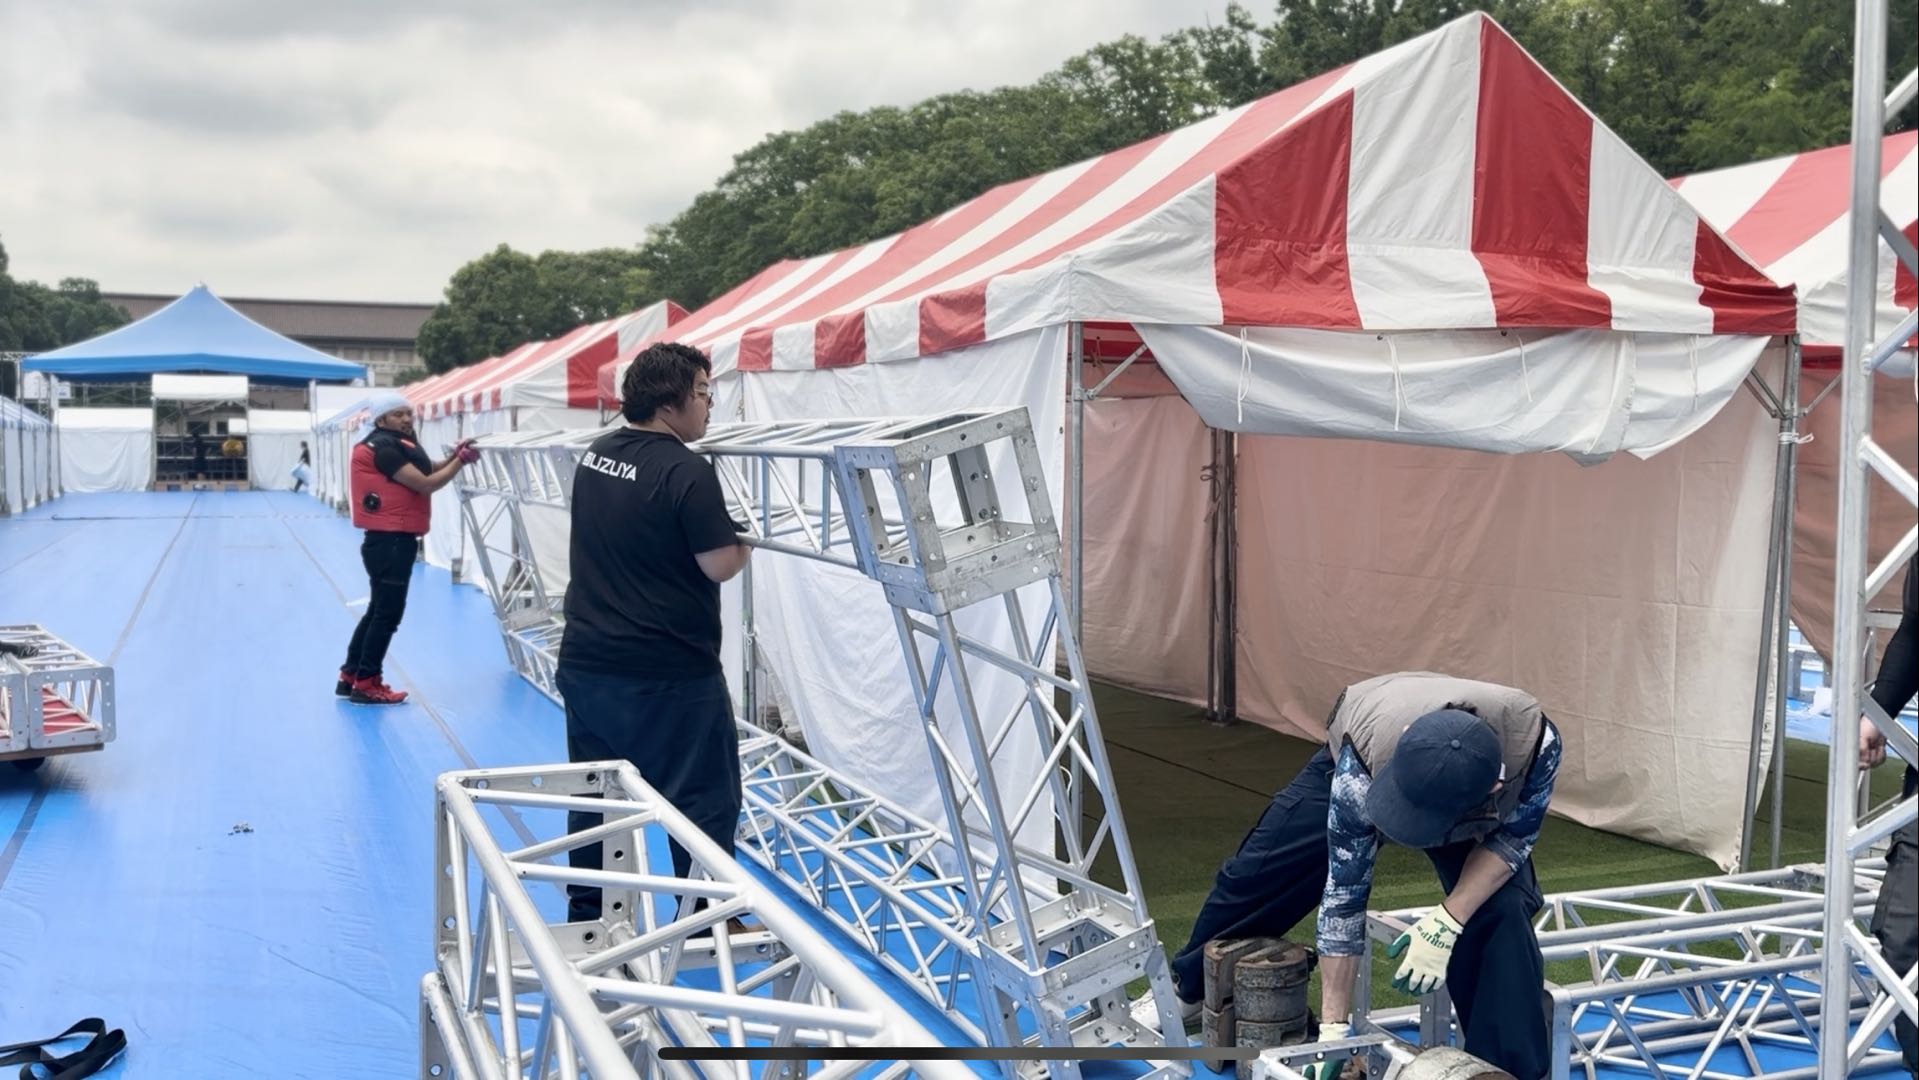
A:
[558, 374]
[1791, 217]
[1431, 251]
[1447, 183]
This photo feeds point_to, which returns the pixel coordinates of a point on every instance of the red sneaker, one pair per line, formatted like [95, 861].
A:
[374, 691]
[344, 687]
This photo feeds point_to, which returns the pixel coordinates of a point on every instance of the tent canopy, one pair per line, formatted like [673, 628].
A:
[560, 373]
[196, 333]
[1792, 217]
[1447, 183]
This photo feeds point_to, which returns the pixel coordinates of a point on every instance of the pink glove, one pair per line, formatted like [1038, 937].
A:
[468, 453]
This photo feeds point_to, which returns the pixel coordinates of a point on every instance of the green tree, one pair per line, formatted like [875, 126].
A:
[506, 298]
[34, 318]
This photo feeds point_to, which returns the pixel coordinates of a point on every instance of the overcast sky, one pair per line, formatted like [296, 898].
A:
[364, 149]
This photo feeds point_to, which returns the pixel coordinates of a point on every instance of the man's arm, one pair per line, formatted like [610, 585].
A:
[1351, 848]
[1502, 854]
[710, 531]
[409, 476]
[723, 564]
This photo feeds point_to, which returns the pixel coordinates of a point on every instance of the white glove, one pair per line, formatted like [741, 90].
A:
[1429, 948]
[1329, 1031]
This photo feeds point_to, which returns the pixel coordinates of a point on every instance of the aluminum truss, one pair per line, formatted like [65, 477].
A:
[517, 994]
[1850, 953]
[54, 699]
[915, 505]
[1679, 970]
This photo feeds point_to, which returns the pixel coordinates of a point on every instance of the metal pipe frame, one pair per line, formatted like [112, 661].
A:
[1742, 952]
[59, 683]
[1850, 952]
[1050, 945]
[516, 994]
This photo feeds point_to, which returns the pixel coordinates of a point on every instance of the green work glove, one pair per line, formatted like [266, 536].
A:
[1329, 1031]
[1429, 948]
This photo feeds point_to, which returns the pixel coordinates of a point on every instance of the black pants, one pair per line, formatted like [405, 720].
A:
[388, 558]
[1497, 976]
[678, 733]
[1895, 921]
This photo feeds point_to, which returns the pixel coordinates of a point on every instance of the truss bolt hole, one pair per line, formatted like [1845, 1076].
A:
[447, 922]
[589, 938]
[435, 1070]
[539, 781]
[482, 783]
[619, 905]
[449, 869]
[619, 855]
[592, 778]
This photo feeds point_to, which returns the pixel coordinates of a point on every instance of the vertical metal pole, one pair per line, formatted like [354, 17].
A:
[1849, 572]
[53, 413]
[1769, 623]
[1076, 476]
[749, 684]
[1789, 439]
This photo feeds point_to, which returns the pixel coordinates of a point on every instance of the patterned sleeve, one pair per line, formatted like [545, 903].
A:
[1351, 844]
[1513, 840]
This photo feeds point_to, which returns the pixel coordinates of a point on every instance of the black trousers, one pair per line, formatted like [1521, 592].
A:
[678, 733]
[388, 558]
[1895, 921]
[1497, 977]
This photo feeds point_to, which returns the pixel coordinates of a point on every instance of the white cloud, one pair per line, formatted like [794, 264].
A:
[366, 148]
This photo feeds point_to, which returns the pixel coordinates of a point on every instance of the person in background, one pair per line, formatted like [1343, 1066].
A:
[392, 482]
[639, 666]
[1895, 920]
[303, 469]
[1461, 770]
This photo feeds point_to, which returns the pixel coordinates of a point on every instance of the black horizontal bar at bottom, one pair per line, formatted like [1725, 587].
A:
[958, 1053]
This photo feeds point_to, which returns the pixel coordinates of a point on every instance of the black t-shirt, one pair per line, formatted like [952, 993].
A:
[392, 450]
[638, 603]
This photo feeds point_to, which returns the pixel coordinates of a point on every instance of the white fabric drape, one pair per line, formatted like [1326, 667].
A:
[106, 449]
[828, 633]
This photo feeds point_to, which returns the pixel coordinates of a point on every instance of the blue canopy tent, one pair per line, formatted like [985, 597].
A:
[196, 333]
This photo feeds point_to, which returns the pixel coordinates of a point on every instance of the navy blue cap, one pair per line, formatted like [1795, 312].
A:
[1443, 769]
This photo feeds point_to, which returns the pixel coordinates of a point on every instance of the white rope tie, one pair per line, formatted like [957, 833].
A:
[1399, 390]
[1525, 370]
[1692, 361]
[1245, 375]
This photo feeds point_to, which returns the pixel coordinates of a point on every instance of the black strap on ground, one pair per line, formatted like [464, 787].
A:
[37, 1064]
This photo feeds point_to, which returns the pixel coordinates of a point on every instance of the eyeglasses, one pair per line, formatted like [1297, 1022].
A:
[704, 392]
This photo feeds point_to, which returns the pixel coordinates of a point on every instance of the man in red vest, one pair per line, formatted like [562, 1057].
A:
[393, 482]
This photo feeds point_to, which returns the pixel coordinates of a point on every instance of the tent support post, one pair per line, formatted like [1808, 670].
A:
[1789, 440]
[1076, 477]
[1222, 674]
[1771, 624]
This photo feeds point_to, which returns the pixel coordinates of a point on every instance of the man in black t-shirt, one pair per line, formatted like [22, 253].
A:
[639, 663]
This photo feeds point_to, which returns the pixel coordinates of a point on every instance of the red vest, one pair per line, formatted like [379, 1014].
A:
[395, 507]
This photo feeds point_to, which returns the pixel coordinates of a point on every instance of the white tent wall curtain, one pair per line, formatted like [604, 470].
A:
[106, 449]
[13, 451]
[1626, 595]
[273, 446]
[827, 632]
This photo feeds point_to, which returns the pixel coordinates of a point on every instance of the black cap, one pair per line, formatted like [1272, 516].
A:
[1443, 768]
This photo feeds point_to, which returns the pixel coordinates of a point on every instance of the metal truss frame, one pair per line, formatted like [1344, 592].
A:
[58, 700]
[1850, 953]
[517, 993]
[915, 504]
[1697, 966]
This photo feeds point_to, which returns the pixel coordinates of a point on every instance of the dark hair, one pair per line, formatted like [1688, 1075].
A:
[663, 374]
